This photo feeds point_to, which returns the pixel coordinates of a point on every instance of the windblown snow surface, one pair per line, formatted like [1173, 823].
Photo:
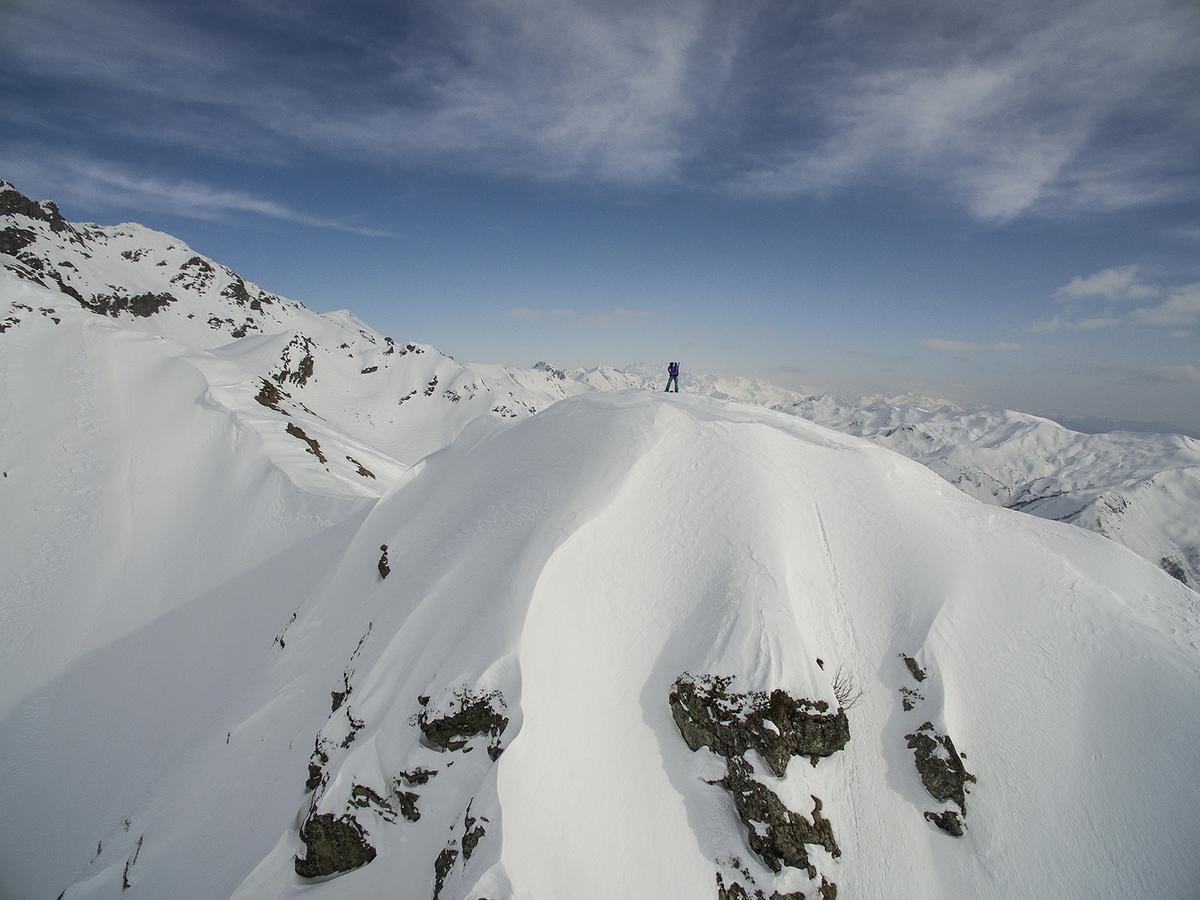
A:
[577, 564]
[214, 678]
[1141, 490]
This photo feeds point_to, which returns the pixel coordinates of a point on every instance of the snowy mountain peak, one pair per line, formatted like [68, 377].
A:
[357, 619]
[14, 203]
[340, 399]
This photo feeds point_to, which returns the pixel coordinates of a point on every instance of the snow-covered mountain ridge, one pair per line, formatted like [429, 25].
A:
[1141, 490]
[336, 378]
[351, 388]
[615, 648]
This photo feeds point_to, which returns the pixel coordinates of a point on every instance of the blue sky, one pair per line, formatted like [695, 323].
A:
[993, 205]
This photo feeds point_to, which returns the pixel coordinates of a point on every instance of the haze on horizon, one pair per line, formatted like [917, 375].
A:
[994, 205]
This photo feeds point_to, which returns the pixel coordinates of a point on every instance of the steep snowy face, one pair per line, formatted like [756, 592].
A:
[635, 552]
[617, 650]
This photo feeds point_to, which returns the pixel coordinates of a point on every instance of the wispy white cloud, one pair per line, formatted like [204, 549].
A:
[1015, 109]
[1181, 307]
[1059, 323]
[1183, 374]
[926, 122]
[539, 88]
[605, 318]
[1114, 283]
[1006, 109]
[98, 183]
[968, 346]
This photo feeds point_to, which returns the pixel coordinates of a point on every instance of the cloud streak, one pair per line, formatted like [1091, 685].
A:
[969, 346]
[1114, 283]
[1181, 307]
[102, 184]
[1006, 110]
[1058, 323]
[1027, 108]
[1180, 374]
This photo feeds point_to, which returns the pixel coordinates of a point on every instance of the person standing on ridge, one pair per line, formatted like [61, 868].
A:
[672, 377]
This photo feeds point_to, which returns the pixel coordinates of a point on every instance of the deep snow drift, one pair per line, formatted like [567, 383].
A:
[571, 568]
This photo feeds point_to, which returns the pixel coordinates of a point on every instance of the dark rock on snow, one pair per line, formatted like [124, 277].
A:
[773, 831]
[914, 668]
[948, 821]
[333, 845]
[313, 447]
[478, 714]
[777, 725]
[941, 769]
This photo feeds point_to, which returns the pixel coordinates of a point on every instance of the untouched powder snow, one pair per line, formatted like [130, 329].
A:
[566, 571]
[1141, 490]
[376, 405]
[292, 608]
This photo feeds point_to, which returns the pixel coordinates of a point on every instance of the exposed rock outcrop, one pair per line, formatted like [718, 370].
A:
[773, 831]
[939, 764]
[333, 845]
[478, 714]
[313, 447]
[776, 725]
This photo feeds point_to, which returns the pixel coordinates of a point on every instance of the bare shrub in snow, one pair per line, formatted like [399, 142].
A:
[846, 689]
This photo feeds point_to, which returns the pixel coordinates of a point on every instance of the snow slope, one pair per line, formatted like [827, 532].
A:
[219, 637]
[351, 388]
[577, 564]
[346, 383]
[1141, 490]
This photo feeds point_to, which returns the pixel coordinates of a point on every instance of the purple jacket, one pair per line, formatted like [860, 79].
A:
[673, 370]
